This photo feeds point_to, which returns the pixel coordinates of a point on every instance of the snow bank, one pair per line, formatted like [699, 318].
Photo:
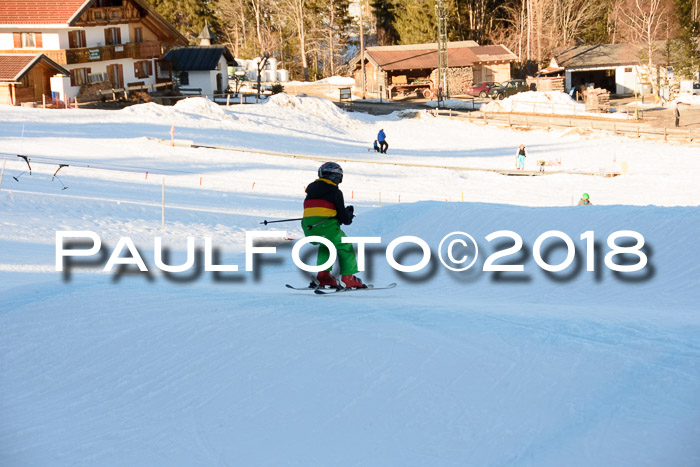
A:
[316, 107]
[202, 107]
[688, 99]
[150, 110]
[337, 80]
[555, 102]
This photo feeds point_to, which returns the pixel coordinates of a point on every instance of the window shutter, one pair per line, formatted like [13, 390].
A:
[71, 40]
[83, 42]
[39, 42]
[72, 77]
[136, 69]
[107, 38]
[17, 39]
[150, 68]
[119, 35]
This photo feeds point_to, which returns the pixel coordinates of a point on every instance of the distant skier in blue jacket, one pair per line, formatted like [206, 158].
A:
[383, 145]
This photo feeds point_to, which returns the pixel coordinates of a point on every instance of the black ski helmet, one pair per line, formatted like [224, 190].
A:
[331, 171]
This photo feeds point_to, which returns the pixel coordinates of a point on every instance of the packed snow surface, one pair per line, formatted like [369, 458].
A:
[581, 367]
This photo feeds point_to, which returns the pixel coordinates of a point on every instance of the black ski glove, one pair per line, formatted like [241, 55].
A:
[351, 210]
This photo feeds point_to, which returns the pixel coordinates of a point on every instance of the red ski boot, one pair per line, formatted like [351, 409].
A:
[352, 282]
[325, 279]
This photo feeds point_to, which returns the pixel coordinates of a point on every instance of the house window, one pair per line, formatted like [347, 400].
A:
[113, 36]
[143, 69]
[76, 39]
[26, 40]
[628, 69]
[79, 76]
[184, 78]
[138, 35]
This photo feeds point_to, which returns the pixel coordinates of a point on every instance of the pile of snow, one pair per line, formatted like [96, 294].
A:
[333, 80]
[201, 106]
[337, 80]
[323, 109]
[150, 111]
[554, 102]
[457, 104]
[688, 99]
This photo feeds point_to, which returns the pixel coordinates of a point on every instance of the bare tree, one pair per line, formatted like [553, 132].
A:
[644, 23]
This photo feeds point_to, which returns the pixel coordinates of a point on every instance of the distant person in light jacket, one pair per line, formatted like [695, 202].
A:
[520, 156]
[381, 138]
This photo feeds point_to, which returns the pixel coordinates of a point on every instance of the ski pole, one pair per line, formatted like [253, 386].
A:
[283, 220]
[319, 223]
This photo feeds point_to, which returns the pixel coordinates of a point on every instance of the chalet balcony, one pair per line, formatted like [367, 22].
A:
[139, 51]
[107, 15]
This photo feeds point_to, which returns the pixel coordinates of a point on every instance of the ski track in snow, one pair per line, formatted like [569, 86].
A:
[449, 369]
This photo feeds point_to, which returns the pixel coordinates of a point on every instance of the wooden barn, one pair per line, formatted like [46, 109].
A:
[405, 69]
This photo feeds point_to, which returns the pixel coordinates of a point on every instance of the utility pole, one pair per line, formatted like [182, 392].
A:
[443, 69]
[362, 51]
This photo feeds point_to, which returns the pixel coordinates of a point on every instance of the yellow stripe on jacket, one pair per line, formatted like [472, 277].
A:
[319, 212]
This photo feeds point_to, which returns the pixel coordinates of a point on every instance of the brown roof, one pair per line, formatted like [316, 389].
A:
[424, 56]
[493, 53]
[14, 66]
[39, 11]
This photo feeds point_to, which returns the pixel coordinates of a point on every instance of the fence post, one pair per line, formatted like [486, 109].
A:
[2, 174]
[664, 133]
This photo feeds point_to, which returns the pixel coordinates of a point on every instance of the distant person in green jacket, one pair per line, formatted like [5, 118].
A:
[585, 200]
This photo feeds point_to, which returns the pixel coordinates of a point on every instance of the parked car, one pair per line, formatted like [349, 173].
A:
[508, 88]
[481, 89]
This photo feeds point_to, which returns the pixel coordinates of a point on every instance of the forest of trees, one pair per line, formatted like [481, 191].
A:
[316, 38]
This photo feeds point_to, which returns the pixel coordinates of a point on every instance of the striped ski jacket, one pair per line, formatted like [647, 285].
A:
[323, 200]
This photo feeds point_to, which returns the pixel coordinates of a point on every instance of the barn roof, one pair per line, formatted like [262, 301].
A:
[600, 55]
[425, 56]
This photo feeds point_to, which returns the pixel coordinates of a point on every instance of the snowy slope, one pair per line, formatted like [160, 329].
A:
[472, 368]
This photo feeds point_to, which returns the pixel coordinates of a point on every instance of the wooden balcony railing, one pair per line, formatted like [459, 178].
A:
[142, 50]
[139, 51]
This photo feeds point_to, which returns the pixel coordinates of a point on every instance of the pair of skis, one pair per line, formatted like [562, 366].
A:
[329, 291]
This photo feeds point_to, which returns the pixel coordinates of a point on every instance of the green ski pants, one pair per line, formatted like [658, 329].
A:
[331, 231]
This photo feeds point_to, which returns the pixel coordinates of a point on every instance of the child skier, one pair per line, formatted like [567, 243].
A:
[324, 211]
[585, 200]
[520, 158]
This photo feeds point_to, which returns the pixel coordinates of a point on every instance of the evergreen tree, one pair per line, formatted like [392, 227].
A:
[384, 14]
[415, 21]
[683, 49]
[188, 16]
